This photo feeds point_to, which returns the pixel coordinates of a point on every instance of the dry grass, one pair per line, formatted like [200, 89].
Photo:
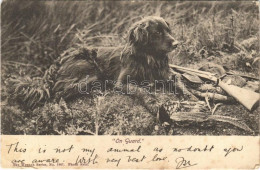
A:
[39, 36]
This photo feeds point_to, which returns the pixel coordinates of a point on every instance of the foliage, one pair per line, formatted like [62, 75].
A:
[92, 116]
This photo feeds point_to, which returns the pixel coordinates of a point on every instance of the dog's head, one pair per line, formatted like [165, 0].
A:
[152, 34]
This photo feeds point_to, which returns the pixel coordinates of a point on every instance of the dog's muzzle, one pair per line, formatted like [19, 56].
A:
[173, 43]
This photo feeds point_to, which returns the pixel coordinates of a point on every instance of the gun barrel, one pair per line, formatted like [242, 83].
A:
[203, 74]
[189, 70]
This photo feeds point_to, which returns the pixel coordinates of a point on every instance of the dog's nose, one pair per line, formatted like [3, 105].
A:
[175, 44]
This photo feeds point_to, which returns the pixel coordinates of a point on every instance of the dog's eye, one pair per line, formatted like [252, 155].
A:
[158, 33]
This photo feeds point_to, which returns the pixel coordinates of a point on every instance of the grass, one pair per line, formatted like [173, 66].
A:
[35, 33]
[39, 36]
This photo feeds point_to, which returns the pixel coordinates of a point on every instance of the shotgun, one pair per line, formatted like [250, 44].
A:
[247, 98]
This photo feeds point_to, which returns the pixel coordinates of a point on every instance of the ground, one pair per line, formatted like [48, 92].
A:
[35, 34]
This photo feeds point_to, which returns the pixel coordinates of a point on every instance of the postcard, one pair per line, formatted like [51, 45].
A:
[130, 84]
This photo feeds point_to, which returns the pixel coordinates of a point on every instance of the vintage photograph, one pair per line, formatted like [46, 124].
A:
[130, 68]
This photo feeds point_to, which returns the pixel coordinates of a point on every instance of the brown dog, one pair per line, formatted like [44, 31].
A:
[143, 58]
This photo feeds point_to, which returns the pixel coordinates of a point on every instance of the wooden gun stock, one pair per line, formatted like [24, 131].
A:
[247, 98]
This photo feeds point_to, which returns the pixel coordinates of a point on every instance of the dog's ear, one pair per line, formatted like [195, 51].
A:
[138, 35]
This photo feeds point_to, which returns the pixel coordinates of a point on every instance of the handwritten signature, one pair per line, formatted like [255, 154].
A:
[182, 163]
